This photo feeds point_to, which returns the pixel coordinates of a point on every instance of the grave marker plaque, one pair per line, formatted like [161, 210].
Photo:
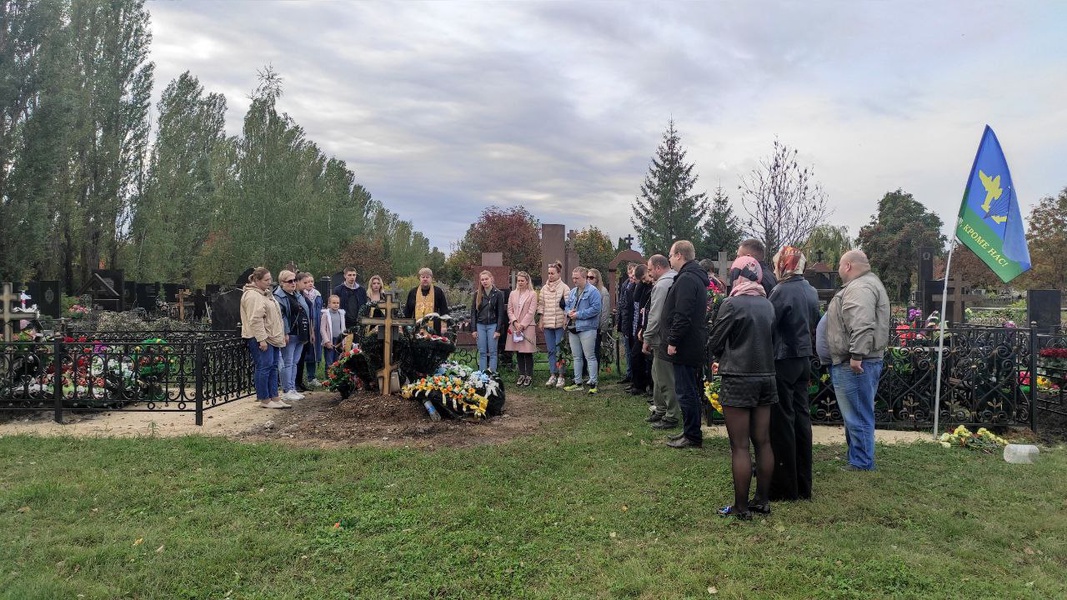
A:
[46, 296]
[1043, 308]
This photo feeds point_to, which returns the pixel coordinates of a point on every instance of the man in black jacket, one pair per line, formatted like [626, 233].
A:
[686, 336]
[796, 314]
[625, 320]
[352, 296]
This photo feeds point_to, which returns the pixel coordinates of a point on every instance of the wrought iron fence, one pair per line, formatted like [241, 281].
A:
[984, 379]
[186, 371]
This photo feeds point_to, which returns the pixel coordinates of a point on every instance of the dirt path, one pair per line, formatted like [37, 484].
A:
[321, 421]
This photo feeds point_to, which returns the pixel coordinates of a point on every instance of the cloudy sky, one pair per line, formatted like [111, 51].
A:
[444, 108]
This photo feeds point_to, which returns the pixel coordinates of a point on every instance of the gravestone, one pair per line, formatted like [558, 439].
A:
[337, 279]
[325, 287]
[1043, 308]
[615, 275]
[226, 310]
[572, 259]
[494, 263]
[146, 296]
[212, 289]
[553, 247]
[129, 294]
[47, 298]
[242, 279]
[170, 292]
[199, 299]
[105, 287]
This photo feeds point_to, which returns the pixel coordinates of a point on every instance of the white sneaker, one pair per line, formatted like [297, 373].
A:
[551, 381]
[314, 383]
[274, 404]
[561, 382]
[292, 396]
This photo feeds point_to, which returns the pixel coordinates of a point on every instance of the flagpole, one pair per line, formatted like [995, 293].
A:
[941, 332]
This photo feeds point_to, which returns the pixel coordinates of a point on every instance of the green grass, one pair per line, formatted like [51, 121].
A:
[592, 506]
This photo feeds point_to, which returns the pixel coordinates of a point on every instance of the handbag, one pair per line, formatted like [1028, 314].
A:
[517, 336]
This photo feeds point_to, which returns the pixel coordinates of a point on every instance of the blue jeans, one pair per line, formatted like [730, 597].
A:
[687, 388]
[583, 345]
[552, 339]
[329, 356]
[290, 354]
[855, 397]
[487, 345]
[266, 377]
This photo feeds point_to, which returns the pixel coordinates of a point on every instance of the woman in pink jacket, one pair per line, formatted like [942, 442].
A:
[332, 330]
[522, 334]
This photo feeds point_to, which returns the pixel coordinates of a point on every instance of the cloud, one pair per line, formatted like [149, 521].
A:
[443, 108]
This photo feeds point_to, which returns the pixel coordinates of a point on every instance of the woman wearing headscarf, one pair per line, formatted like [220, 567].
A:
[742, 341]
[796, 315]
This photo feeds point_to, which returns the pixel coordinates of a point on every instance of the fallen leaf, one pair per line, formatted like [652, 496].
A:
[158, 550]
[1028, 550]
[612, 535]
[24, 509]
[625, 508]
[713, 590]
[138, 542]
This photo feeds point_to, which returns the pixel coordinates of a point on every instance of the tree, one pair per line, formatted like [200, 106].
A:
[666, 210]
[973, 270]
[893, 237]
[831, 240]
[594, 249]
[368, 256]
[783, 202]
[512, 231]
[1047, 238]
[722, 229]
[173, 217]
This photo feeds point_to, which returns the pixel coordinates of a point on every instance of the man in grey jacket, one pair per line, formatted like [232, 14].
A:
[666, 413]
[857, 332]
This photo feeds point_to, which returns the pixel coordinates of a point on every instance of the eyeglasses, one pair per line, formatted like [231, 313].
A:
[289, 281]
[590, 276]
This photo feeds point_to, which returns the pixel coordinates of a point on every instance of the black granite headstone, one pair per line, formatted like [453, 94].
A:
[146, 296]
[226, 311]
[242, 279]
[129, 294]
[45, 294]
[1043, 308]
[170, 292]
[337, 279]
[212, 289]
[325, 287]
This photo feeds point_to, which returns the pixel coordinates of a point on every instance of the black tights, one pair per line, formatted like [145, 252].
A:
[525, 363]
[745, 425]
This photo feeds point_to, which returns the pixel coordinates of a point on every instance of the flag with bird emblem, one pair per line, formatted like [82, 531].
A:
[990, 222]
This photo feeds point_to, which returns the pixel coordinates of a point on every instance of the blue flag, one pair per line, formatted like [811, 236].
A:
[990, 222]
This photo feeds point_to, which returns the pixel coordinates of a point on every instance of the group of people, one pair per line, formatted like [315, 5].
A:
[761, 343]
[290, 329]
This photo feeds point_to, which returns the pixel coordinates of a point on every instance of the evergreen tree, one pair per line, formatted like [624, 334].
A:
[666, 209]
[722, 230]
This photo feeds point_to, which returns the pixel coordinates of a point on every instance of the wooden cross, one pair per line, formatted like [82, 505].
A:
[389, 322]
[956, 297]
[182, 294]
[723, 264]
[7, 314]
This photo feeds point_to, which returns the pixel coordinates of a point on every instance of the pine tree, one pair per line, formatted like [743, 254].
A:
[666, 210]
[722, 230]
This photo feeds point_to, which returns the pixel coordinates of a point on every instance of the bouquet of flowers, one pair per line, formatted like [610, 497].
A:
[342, 376]
[716, 294]
[983, 441]
[450, 395]
[712, 389]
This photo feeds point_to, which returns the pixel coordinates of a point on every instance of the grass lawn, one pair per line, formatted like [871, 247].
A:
[593, 506]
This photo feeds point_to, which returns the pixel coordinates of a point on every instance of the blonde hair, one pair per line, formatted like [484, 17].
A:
[285, 274]
[526, 275]
[330, 299]
[258, 274]
[372, 278]
[481, 288]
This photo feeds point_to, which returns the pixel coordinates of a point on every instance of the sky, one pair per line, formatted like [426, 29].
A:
[442, 109]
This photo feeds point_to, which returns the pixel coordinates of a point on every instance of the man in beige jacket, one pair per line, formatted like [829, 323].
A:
[857, 332]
